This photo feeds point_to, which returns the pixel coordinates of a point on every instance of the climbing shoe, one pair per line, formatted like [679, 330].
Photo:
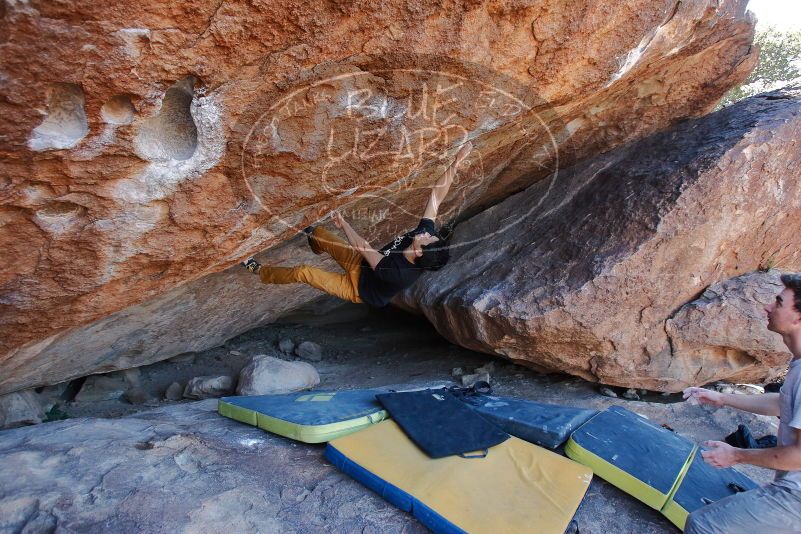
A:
[251, 265]
[309, 230]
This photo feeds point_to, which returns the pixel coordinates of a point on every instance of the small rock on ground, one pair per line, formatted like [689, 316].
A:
[137, 395]
[469, 380]
[487, 368]
[607, 392]
[267, 375]
[206, 387]
[309, 350]
[175, 391]
[286, 345]
[631, 394]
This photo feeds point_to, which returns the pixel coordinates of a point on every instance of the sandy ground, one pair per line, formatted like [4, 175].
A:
[362, 349]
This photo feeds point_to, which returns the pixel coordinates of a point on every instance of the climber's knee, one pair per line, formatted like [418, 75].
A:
[301, 273]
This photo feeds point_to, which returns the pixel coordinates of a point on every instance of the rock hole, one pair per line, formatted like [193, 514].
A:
[118, 110]
[72, 389]
[60, 209]
[65, 124]
[172, 134]
[58, 216]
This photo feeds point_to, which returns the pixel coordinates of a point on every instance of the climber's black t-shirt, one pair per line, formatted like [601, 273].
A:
[393, 273]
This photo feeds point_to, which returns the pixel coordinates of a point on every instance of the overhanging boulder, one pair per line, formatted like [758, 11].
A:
[145, 149]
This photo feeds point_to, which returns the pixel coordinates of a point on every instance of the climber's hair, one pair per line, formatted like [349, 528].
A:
[793, 281]
[436, 255]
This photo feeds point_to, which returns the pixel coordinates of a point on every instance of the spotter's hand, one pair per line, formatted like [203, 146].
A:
[703, 396]
[720, 454]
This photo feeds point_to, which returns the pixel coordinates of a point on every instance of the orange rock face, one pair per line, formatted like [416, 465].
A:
[145, 147]
[615, 277]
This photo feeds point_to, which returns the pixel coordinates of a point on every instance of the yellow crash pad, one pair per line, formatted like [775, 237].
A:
[517, 487]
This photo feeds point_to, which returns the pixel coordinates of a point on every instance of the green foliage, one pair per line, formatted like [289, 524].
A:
[779, 62]
[55, 414]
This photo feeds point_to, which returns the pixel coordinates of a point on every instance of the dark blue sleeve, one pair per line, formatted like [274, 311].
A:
[426, 225]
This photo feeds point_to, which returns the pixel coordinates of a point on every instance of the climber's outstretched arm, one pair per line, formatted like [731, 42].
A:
[443, 185]
[358, 242]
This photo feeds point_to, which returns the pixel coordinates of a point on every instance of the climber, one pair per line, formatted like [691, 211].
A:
[775, 507]
[372, 276]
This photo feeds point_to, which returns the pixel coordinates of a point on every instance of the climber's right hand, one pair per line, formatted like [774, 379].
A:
[338, 219]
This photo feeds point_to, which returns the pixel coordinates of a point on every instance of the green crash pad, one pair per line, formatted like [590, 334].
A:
[655, 465]
[630, 452]
[311, 417]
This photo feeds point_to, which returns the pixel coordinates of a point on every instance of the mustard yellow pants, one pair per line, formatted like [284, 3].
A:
[344, 286]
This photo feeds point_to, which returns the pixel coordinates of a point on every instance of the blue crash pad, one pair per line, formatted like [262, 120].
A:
[548, 425]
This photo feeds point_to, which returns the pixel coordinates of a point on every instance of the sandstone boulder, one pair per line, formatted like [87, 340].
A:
[267, 375]
[101, 388]
[146, 151]
[20, 408]
[583, 274]
[726, 325]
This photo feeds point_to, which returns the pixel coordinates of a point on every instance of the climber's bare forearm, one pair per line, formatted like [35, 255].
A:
[361, 245]
[765, 404]
[443, 185]
[440, 192]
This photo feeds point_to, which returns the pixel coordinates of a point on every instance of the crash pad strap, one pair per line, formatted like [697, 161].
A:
[679, 480]
[697, 470]
[673, 511]
[304, 433]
